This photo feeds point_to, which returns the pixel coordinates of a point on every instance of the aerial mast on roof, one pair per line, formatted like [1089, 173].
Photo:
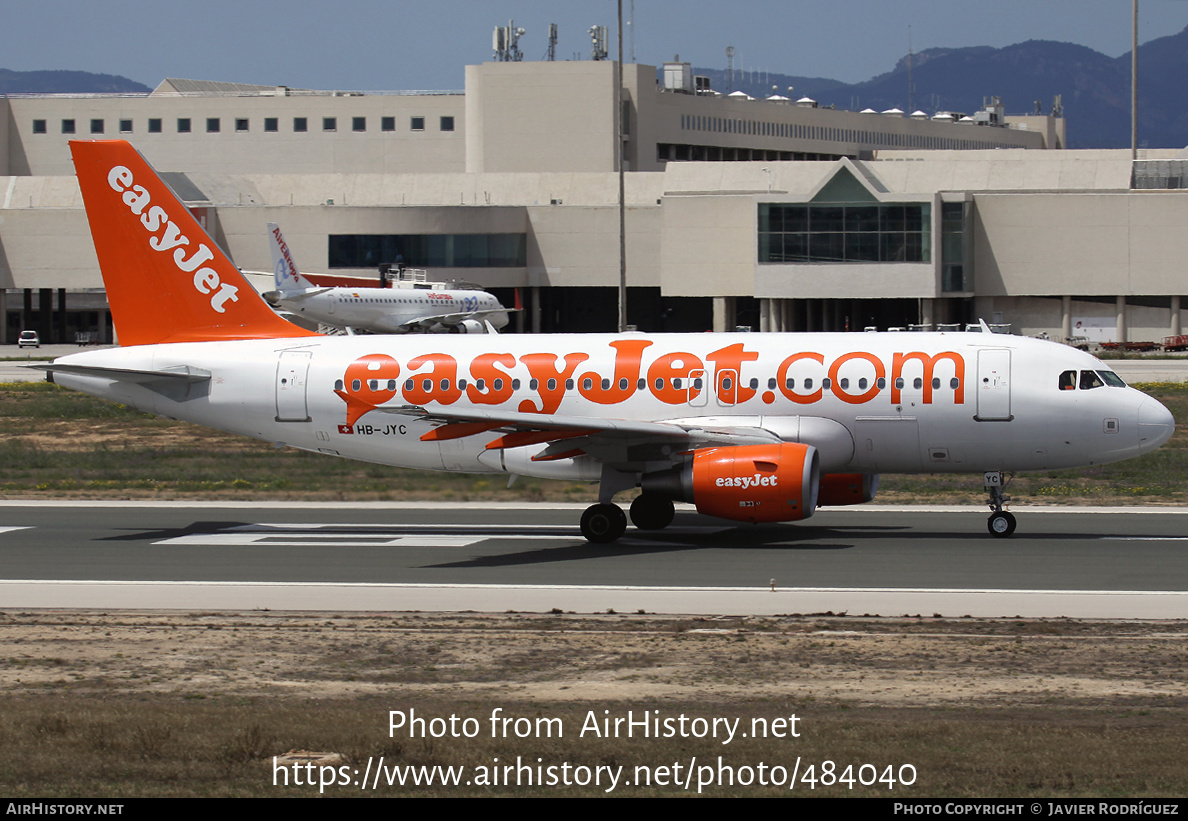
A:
[911, 86]
[506, 43]
[598, 42]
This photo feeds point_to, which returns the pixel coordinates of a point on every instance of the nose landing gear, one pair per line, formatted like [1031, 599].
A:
[1001, 523]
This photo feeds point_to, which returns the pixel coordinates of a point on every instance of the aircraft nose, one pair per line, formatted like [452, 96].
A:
[1155, 424]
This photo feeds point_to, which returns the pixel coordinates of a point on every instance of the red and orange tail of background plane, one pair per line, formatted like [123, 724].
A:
[166, 279]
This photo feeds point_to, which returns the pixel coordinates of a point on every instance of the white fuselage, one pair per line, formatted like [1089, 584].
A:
[870, 403]
[393, 310]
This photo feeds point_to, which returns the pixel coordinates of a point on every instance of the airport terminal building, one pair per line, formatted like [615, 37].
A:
[774, 214]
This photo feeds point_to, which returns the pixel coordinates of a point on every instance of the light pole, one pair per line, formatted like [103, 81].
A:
[622, 202]
[1134, 84]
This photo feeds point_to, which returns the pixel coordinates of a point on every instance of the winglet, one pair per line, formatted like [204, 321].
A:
[166, 279]
[284, 268]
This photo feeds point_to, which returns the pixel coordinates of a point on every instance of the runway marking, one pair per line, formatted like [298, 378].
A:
[317, 540]
[760, 600]
[760, 589]
[391, 526]
[312, 534]
[7, 529]
[368, 534]
[307, 534]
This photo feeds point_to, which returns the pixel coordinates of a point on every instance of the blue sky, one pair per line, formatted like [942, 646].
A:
[398, 44]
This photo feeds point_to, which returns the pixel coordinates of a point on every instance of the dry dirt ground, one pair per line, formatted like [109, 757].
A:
[124, 704]
[913, 662]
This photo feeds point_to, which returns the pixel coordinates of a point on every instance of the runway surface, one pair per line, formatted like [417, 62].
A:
[1075, 562]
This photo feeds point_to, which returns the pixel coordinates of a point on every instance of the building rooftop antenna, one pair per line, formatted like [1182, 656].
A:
[631, 29]
[505, 42]
[598, 42]
[911, 85]
[552, 55]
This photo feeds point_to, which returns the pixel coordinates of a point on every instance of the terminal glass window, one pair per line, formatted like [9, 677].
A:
[387, 123]
[417, 124]
[212, 125]
[241, 124]
[300, 124]
[125, 126]
[429, 250]
[447, 123]
[271, 124]
[329, 123]
[953, 278]
[884, 232]
[358, 124]
[183, 125]
[154, 125]
[67, 126]
[97, 126]
[39, 126]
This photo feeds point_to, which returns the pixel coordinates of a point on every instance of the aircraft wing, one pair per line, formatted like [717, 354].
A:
[617, 442]
[422, 323]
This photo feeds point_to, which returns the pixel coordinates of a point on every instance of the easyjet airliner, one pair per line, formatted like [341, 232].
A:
[748, 427]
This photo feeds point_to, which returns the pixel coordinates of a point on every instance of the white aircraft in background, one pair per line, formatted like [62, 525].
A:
[747, 427]
[405, 307]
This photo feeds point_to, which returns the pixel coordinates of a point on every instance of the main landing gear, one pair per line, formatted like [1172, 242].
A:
[1001, 523]
[605, 522]
[652, 512]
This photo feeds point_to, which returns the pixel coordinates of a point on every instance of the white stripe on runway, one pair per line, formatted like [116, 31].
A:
[314, 596]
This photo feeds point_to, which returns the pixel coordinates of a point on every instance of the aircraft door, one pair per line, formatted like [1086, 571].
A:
[726, 387]
[698, 394]
[994, 385]
[724, 384]
[292, 372]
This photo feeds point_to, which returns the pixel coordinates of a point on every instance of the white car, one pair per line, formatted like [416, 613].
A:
[28, 339]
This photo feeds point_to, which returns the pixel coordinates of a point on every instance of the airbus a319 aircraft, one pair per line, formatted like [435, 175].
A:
[405, 308]
[747, 427]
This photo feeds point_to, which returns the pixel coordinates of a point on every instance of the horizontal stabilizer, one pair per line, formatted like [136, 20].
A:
[175, 373]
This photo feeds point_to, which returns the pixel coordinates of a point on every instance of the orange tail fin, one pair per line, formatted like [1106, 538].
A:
[166, 279]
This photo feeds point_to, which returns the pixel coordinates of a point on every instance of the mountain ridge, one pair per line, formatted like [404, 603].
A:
[1095, 88]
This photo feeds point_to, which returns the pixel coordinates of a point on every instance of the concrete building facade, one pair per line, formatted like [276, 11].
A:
[763, 213]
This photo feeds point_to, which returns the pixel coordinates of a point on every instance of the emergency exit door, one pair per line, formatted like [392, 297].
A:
[292, 370]
[994, 385]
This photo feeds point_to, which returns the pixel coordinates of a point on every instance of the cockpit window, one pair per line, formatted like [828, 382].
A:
[1068, 381]
[1090, 379]
[1112, 379]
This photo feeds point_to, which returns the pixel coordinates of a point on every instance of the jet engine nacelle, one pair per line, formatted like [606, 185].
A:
[471, 326]
[847, 489]
[751, 483]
